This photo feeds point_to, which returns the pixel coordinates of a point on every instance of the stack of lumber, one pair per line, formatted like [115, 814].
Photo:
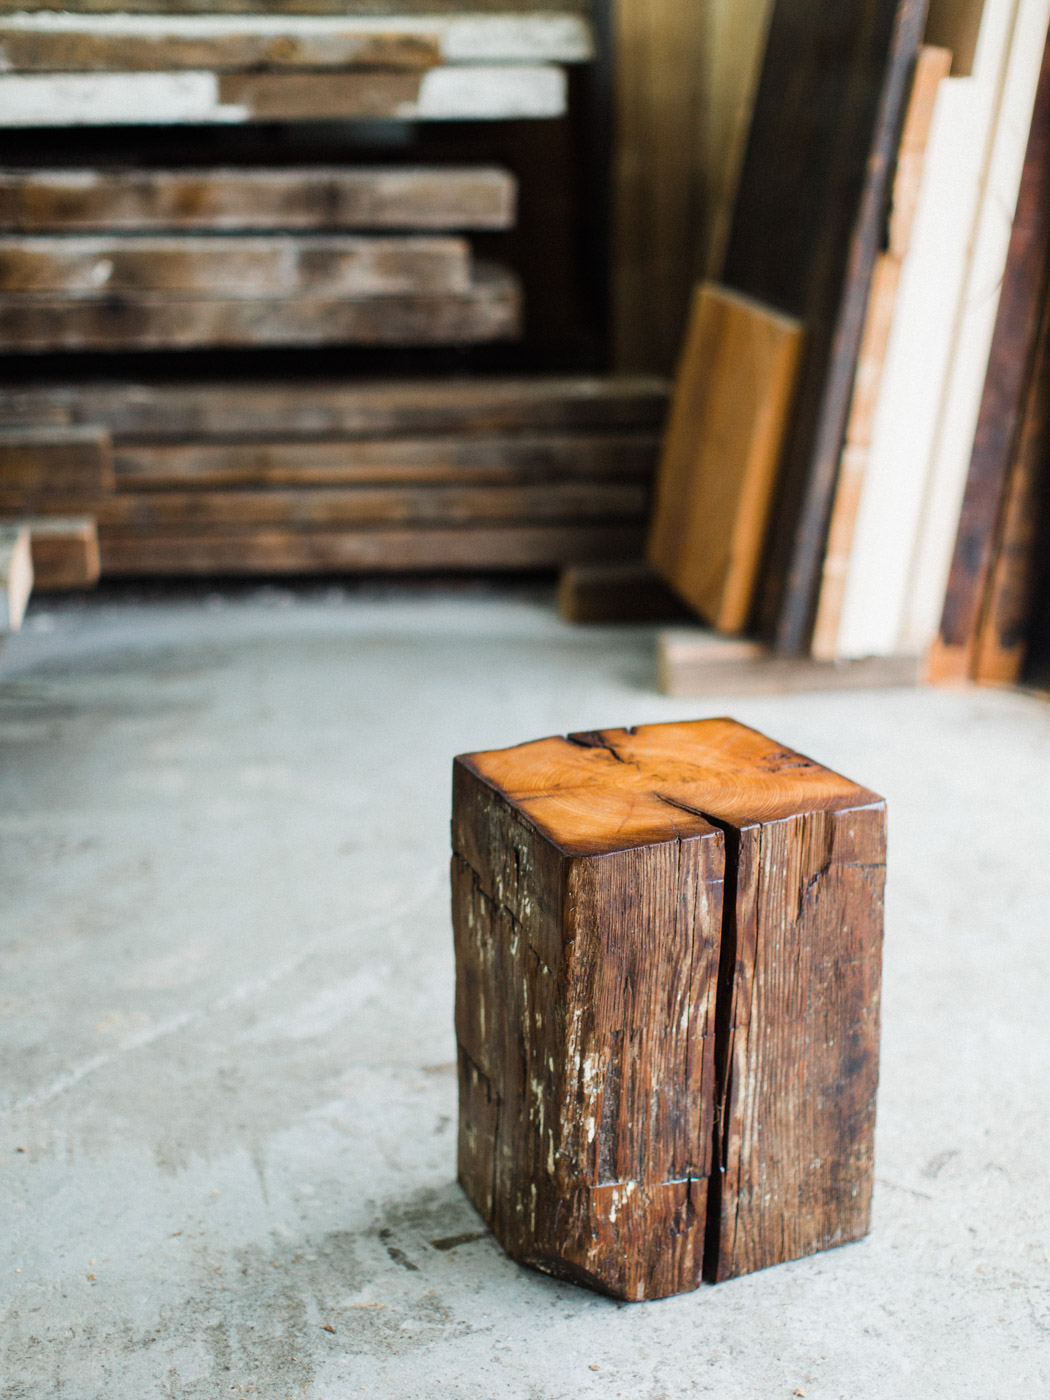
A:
[298, 477]
[150, 259]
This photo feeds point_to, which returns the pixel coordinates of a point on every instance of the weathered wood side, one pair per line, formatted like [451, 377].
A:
[233, 266]
[585, 1007]
[65, 553]
[320, 197]
[40, 464]
[800, 1039]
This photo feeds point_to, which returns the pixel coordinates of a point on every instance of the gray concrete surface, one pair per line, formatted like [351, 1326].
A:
[226, 981]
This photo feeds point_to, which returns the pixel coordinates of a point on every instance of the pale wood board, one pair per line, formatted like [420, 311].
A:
[233, 199]
[693, 664]
[731, 402]
[231, 266]
[932, 66]
[16, 575]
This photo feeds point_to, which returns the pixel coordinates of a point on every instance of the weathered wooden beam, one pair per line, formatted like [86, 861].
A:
[468, 92]
[668, 946]
[65, 552]
[42, 41]
[230, 200]
[37, 463]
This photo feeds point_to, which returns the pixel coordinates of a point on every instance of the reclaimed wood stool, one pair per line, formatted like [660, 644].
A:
[668, 957]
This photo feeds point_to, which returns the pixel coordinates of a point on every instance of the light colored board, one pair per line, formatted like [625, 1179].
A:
[730, 407]
[155, 513]
[490, 310]
[305, 551]
[923, 429]
[931, 66]
[328, 409]
[692, 664]
[45, 41]
[16, 576]
[235, 199]
[461, 93]
[478, 460]
[231, 266]
[74, 462]
[65, 553]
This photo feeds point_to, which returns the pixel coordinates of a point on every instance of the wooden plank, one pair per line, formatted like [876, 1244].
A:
[274, 266]
[469, 92]
[329, 409]
[65, 553]
[16, 576]
[153, 513]
[481, 461]
[1001, 644]
[692, 664]
[229, 199]
[932, 66]
[51, 42]
[732, 398]
[436, 8]
[808, 221]
[491, 310]
[617, 593]
[586, 894]
[354, 551]
[1013, 349]
[36, 463]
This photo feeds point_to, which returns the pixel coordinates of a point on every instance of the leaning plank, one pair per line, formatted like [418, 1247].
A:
[731, 401]
[74, 463]
[65, 552]
[329, 409]
[49, 42]
[153, 513]
[16, 576]
[931, 66]
[808, 222]
[234, 266]
[463, 93]
[491, 310]
[477, 460]
[316, 197]
[308, 551]
[692, 663]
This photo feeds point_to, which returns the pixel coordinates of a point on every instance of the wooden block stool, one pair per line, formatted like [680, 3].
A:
[668, 953]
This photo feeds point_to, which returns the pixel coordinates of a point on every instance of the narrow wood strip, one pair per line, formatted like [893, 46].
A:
[482, 460]
[491, 310]
[316, 197]
[284, 409]
[384, 551]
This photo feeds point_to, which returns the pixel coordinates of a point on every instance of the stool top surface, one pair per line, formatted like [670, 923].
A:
[613, 789]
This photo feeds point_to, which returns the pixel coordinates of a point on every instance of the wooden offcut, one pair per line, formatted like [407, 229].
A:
[276, 266]
[691, 663]
[65, 553]
[320, 198]
[617, 593]
[668, 945]
[490, 309]
[42, 463]
[732, 397]
[16, 576]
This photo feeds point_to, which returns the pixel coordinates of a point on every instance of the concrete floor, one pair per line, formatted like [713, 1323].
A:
[226, 981]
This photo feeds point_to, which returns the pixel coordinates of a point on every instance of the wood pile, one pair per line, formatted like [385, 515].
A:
[298, 476]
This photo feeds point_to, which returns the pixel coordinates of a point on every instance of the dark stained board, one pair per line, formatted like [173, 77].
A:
[232, 265]
[1001, 415]
[318, 197]
[808, 222]
[668, 947]
[490, 310]
[41, 463]
[143, 412]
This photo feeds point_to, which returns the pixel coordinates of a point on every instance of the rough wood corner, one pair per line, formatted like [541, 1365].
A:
[668, 948]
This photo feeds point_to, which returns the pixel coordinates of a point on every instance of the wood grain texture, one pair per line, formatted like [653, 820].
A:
[1013, 352]
[732, 398]
[615, 948]
[490, 310]
[808, 222]
[281, 551]
[65, 553]
[37, 464]
[143, 412]
[625, 458]
[327, 198]
[274, 266]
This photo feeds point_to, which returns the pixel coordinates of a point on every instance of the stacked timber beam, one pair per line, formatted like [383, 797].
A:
[295, 477]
